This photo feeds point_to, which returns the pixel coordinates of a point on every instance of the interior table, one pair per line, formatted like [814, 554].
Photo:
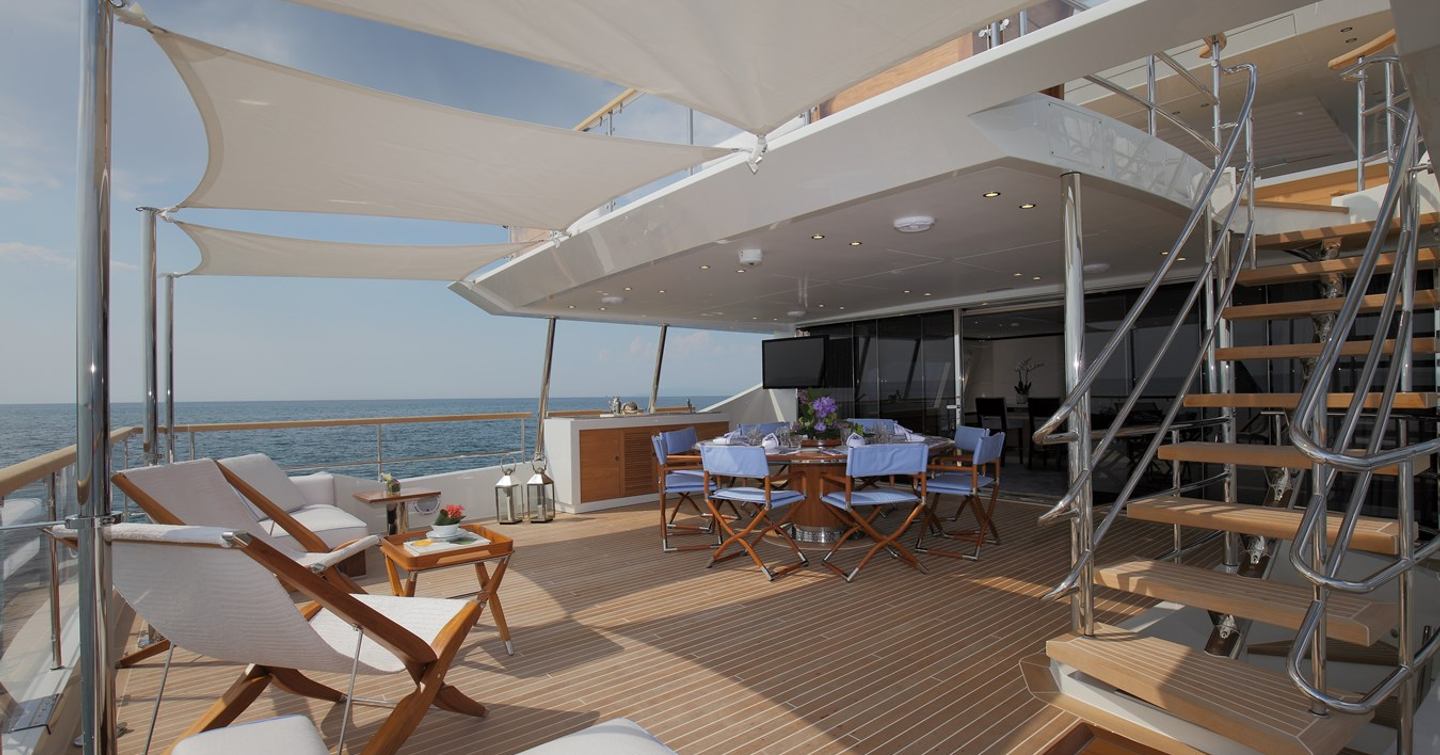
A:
[398, 557]
[813, 520]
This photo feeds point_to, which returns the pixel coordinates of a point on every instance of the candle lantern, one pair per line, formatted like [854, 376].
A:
[509, 496]
[540, 493]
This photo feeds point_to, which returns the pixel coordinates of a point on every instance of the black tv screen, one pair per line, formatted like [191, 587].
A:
[793, 362]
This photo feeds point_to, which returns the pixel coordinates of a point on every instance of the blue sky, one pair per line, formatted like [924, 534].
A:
[258, 339]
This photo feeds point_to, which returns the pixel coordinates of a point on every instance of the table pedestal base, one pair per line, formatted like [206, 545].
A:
[811, 535]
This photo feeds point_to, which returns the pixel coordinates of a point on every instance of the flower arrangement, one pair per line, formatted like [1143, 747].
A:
[450, 515]
[1022, 375]
[392, 485]
[820, 417]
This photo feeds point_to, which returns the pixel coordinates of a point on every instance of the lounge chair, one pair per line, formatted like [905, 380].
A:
[223, 594]
[292, 735]
[310, 501]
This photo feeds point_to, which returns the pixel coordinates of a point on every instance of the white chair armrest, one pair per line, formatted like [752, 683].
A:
[317, 489]
[319, 562]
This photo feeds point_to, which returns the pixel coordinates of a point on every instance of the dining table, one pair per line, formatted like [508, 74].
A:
[814, 522]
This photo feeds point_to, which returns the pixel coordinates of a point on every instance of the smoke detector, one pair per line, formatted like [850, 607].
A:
[612, 299]
[751, 257]
[914, 224]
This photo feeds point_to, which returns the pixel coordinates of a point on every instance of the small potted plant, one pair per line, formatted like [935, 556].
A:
[819, 421]
[447, 522]
[1022, 374]
[392, 485]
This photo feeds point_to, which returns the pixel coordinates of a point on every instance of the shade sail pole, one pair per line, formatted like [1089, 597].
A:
[149, 280]
[170, 368]
[92, 368]
[544, 407]
[659, 363]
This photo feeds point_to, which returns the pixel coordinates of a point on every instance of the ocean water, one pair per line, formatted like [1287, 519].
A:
[27, 430]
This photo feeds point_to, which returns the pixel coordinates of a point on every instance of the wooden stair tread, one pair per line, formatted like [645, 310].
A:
[1255, 455]
[1349, 234]
[1307, 307]
[1355, 348]
[1350, 618]
[1260, 708]
[1279, 204]
[1337, 651]
[1407, 400]
[1372, 534]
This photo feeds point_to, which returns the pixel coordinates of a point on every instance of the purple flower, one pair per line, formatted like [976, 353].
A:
[823, 406]
[819, 427]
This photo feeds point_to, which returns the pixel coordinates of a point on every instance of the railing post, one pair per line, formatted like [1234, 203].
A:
[1360, 77]
[1082, 602]
[150, 449]
[659, 363]
[1150, 93]
[1221, 374]
[379, 450]
[170, 370]
[544, 406]
[92, 379]
[1405, 645]
[1319, 485]
[52, 511]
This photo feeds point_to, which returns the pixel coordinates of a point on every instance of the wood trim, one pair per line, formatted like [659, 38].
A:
[1322, 187]
[347, 422]
[34, 469]
[1372, 534]
[1306, 206]
[1347, 233]
[1256, 455]
[1403, 400]
[1363, 51]
[1425, 299]
[304, 536]
[616, 102]
[1356, 348]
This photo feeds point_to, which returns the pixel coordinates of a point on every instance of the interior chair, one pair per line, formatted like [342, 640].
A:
[224, 594]
[749, 463]
[309, 501]
[967, 479]
[287, 734]
[683, 483]
[1041, 409]
[995, 417]
[890, 460]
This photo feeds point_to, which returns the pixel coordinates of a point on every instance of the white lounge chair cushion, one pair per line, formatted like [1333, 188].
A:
[334, 525]
[618, 736]
[424, 617]
[294, 735]
[266, 476]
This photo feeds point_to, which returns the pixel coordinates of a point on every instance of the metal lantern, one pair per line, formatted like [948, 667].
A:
[509, 498]
[540, 493]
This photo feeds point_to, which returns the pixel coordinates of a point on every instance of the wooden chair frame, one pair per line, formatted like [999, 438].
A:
[866, 524]
[426, 663]
[747, 536]
[303, 536]
[984, 530]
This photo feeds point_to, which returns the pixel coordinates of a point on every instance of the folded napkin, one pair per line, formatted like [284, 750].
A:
[770, 443]
[728, 439]
[855, 440]
[914, 437]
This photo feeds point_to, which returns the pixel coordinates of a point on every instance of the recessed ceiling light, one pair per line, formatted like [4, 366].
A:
[1352, 40]
[1028, 206]
[627, 288]
[842, 307]
[1019, 275]
[795, 313]
[572, 306]
[1036, 278]
[990, 194]
[774, 319]
[612, 299]
[704, 267]
[1347, 29]
[906, 291]
[817, 236]
[602, 309]
[1179, 259]
[661, 291]
[1014, 324]
[741, 270]
[1165, 254]
[754, 318]
[927, 293]
[856, 243]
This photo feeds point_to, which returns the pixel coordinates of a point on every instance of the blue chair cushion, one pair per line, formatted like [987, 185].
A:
[680, 482]
[873, 497]
[757, 495]
[956, 483]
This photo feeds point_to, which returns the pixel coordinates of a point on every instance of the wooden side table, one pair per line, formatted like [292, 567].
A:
[398, 557]
[399, 503]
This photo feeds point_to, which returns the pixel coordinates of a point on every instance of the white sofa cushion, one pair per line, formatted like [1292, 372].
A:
[287, 734]
[335, 526]
[266, 476]
[618, 736]
[317, 488]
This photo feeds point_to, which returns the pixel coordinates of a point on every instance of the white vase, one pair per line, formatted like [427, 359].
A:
[442, 531]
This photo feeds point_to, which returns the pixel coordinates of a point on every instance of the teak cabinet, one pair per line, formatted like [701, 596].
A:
[619, 462]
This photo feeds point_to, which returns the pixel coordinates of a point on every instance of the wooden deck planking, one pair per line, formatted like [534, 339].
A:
[719, 660]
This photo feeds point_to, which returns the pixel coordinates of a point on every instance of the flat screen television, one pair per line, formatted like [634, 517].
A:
[793, 362]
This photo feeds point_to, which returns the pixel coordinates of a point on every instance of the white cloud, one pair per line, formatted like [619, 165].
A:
[19, 251]
[22, 153]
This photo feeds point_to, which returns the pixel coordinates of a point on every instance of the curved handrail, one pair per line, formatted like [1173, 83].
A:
[1044, 433]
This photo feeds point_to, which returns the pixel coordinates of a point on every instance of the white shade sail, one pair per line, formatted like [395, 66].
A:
[226, 252]
[753, 63]
[284, 139]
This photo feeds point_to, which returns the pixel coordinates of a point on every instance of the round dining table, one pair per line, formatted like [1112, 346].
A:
[814, 522]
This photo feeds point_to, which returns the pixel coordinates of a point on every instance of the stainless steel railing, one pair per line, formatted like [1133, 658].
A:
[1333, 455]
[1385, 112]
[1216, 281]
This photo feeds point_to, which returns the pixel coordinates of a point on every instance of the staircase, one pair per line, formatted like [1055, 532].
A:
[1215, 688]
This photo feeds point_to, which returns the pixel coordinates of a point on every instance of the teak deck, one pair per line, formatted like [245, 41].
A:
[720, 660]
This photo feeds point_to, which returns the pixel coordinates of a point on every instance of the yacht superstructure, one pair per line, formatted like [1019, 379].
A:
[1215, 222]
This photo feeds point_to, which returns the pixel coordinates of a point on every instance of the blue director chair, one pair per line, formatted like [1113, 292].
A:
[683, 483]
[749, 463]
[968, 479]
[889, 460]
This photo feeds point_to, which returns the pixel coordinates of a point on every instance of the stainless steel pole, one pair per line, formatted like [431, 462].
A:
[544, 407]
[92, 387]
[1151, 96]
[150, 450]
[1082, 603]
[170, 368]
[1223, 339]
[659, 363]
[52, 511]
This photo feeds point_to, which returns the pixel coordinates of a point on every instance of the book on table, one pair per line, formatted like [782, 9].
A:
[425, 545]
